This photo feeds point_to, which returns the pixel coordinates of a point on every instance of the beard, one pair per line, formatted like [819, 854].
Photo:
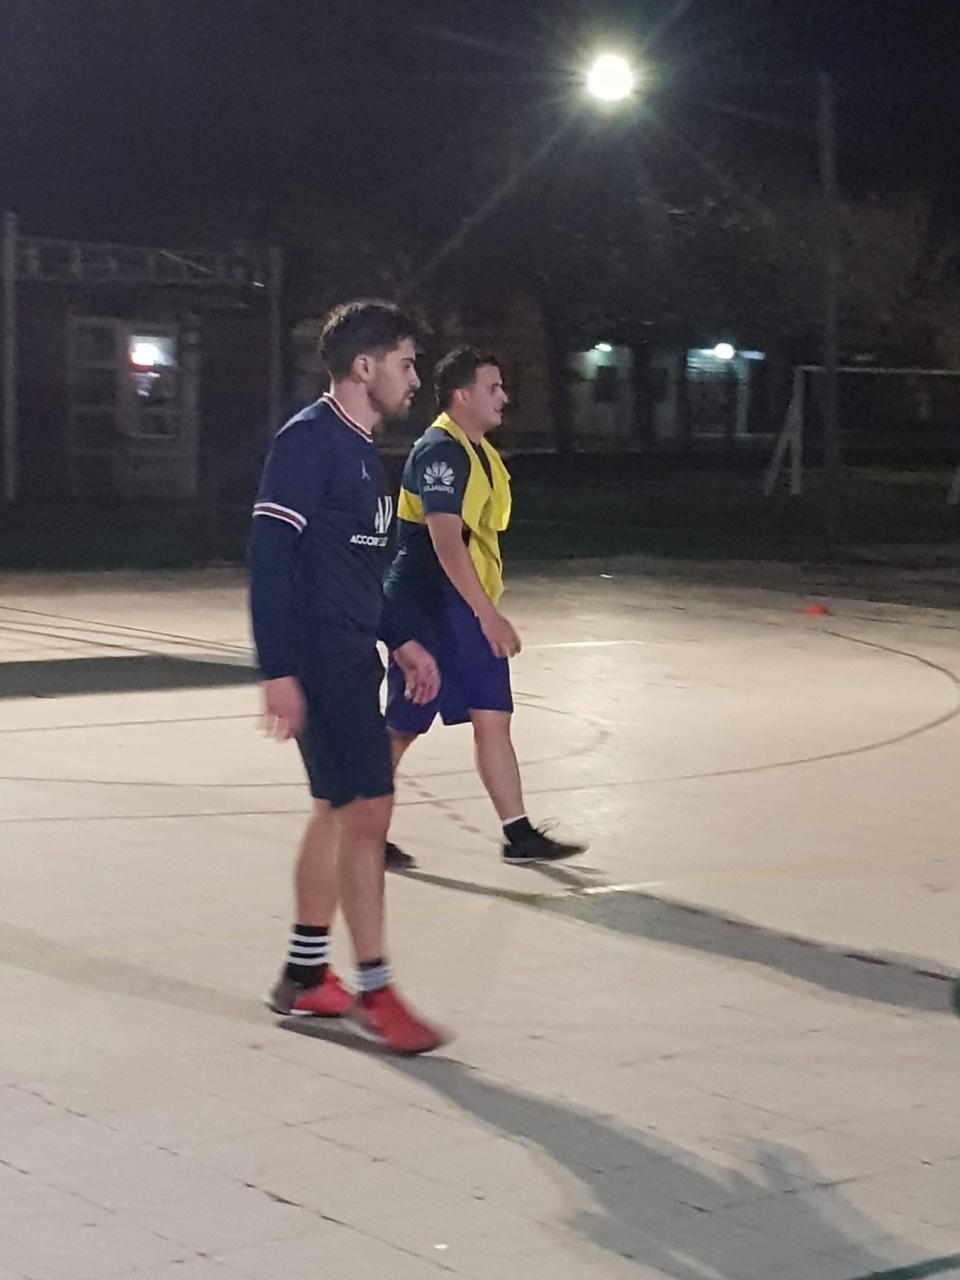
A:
[389, 405]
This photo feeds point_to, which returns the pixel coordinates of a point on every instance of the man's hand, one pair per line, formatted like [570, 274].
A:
[419, 671]
[501, 636]
[284, 708]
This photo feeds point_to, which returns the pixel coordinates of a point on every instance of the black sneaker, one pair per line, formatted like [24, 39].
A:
[537, 846]
[394, 858]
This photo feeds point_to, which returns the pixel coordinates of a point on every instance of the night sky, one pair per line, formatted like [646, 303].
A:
[168, 120]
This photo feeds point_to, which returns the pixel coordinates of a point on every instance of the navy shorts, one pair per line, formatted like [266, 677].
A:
[344, 745]
[472, 678]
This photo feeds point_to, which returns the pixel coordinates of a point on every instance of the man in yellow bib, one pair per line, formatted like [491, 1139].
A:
[446, 581]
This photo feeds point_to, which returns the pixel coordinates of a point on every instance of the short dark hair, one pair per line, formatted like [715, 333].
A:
[458, 370]
[368, 326]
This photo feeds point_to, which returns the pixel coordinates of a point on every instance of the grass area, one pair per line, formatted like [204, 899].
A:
[719, 515]
[147, 537]
[564, 508]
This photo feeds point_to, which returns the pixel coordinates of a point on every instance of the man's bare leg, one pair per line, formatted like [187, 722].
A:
[315, 876]
[361, 834]
[395, 859]
[497, 762]
[500, 774]
[400, 743]
[379, 1012]
[341, 858]
[306, 985]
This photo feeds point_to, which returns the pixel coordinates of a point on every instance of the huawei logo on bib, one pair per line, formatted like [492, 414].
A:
[438, 477]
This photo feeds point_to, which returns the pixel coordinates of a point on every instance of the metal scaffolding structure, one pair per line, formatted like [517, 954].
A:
[36, 260]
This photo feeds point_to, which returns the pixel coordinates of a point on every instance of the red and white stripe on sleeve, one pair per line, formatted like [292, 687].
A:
[286, 514]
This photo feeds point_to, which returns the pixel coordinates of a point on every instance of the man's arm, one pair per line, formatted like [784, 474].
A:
[270, 566]
[446, 534]
[419, 667]
[280, 516]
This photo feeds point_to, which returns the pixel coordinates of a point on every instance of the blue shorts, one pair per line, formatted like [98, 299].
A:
[344, 744]
[472, 677]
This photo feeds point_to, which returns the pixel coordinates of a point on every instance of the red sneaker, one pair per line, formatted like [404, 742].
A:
[328, 999]
[382, 1016]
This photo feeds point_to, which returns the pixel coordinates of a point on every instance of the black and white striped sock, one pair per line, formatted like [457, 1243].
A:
[307, 954]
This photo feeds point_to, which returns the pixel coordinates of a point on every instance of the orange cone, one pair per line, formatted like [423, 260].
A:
[816, 610]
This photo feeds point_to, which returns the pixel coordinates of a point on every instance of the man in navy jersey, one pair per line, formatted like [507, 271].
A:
[445, 584]
[317, 544]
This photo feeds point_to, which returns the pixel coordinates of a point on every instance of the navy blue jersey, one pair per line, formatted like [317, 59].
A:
[437, 471]
[317, 543]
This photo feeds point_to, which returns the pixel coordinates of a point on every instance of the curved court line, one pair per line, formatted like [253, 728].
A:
[746, 770]
[600, 736]
[602, 733]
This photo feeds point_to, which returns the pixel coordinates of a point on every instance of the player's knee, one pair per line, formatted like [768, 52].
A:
[323, 812]
[367, 819]
[491, 726]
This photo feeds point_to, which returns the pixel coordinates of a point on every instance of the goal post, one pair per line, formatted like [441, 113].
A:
[886, 403]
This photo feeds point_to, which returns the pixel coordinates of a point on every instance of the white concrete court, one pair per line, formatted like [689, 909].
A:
[719, 1045]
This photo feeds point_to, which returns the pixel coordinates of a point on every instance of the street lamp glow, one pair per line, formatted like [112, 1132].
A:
[146, 355]
[724, 351]
[611, 78]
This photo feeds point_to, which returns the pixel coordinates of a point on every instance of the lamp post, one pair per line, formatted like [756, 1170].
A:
[827, 133]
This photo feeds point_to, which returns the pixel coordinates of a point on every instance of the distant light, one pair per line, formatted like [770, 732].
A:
[146, 355]
[611, 78]
[605, 347]
[724, 351]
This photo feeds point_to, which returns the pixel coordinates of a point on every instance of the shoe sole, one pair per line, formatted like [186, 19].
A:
[365, 1033]
[528, 862]
[298, 1013]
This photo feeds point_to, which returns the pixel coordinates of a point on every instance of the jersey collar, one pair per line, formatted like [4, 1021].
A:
[340, 411]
